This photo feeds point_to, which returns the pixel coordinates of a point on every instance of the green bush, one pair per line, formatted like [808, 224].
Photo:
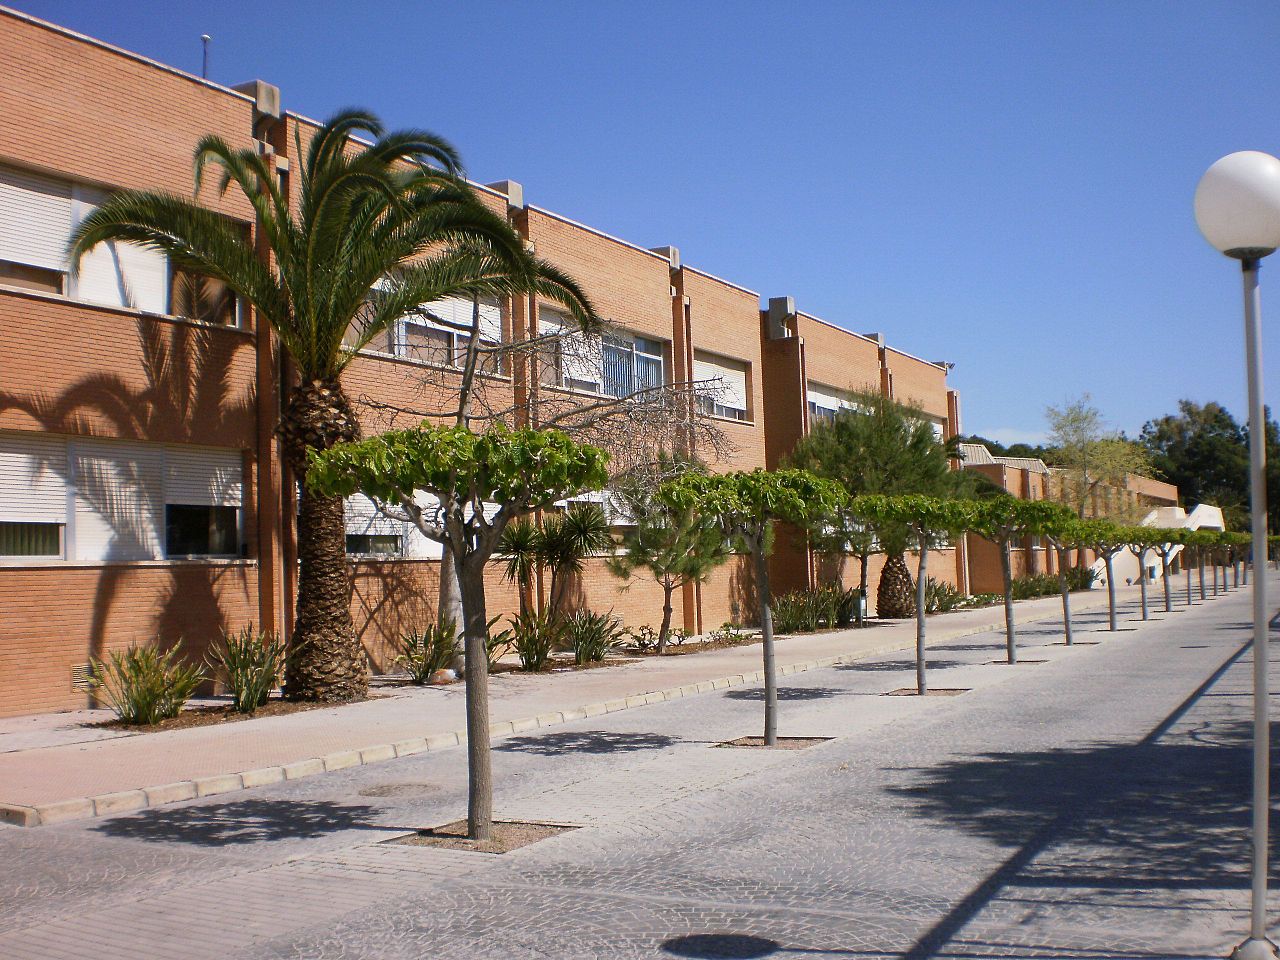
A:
[144, 686]
[942, 597]
[250, 663]
[592, 635]
[534, 636]
[495, 643]
[426, 651]
[803, 611]
[1080, 578]
[847, 608]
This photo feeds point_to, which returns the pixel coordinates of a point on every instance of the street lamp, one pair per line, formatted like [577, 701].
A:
[1238, 211]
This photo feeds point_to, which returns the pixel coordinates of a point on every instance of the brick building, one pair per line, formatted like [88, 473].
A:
[142, 494]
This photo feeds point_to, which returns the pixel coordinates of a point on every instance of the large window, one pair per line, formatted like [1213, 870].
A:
[723, 386]
[630, 364]
[439, 333]
[825, 402]
[91, 500]
[39, 214]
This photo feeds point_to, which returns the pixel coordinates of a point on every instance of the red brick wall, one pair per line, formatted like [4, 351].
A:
[838, 358]
[917, 382]
[90, 113]
[54, 618]
[129, 376]
[729, 595]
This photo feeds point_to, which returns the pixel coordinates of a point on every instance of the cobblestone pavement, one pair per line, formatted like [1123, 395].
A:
[1090, 805]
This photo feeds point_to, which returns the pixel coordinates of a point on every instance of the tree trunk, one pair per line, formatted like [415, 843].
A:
[862, 589]
[1142, 581]
[1111, 594]
[475, 632]
[1006, 573]
[1066, 595]
[1164, 573]
[665, 630]
[1200, 567]
[895, 595]
[326, 661]
[766, 633]
[921, 683]
[449, 609]
[1187, 567]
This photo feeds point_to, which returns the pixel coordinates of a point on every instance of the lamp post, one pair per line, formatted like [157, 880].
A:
[1238, 211]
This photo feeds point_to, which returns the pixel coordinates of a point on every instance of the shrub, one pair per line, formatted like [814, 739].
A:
[144, 686]
[250, 663]
[1080, 578]
[803, 611]
[592, 635]
[534, 636]
[942, 597]
[426, 651]
[643, 638]
[847, 607]
[495, 643]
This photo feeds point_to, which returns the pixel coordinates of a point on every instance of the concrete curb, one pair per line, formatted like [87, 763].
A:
[127, 801]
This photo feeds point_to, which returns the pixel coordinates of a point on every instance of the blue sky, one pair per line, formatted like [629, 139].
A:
[1006, 186]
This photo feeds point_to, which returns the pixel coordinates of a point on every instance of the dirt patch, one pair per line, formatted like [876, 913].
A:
[208, 716]
[699, 646]
[508, 835]
[784, 743]
[399, 790]
[931, 692]
[562, 666]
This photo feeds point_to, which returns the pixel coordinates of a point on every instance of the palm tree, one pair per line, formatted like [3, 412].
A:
[375, 232]
[567, 540]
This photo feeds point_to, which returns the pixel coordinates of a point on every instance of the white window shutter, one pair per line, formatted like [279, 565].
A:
[119, 274]
[582, 356]
[363, 517]
[729, 376]
[827, 397]
[33, 478]
[35, 219]
[119, 502]
[203, 476]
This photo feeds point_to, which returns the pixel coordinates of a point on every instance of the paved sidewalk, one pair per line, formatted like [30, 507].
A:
[48, 784]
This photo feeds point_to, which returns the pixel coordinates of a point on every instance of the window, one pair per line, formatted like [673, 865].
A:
[723, 386]
[631, 364]
[825, 402]
[375, 544]
[574, 360]
[30, 278]
[25, 539]
[438, 334]
[197, 297]
[196, 530]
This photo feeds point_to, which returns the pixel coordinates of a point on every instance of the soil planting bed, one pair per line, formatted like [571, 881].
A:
[931, 692]
[507, 835]
[784, 743]
[208, 716]
[556, 666]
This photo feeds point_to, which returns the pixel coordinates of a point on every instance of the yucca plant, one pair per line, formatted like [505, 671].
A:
[144, 686]
[534, 635]
[249, 662]
[592, 635]
[423, 652]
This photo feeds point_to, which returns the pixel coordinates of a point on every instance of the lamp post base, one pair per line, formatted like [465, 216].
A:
[1255, 948]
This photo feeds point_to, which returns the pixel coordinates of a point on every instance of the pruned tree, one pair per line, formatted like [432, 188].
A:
[1166, 545]
[931, 522]
[1063, 532]
[674, 546]
[745, 505]
[1106, 539]
[1005, 520]
[1140, 540]
[476, 484]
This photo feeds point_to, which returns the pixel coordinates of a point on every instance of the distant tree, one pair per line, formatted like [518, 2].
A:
[1106, 539]
[1088, 455]
[882, 446]
[745, 505]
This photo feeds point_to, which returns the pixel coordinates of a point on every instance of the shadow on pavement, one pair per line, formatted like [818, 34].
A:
[586, 741]
[898, 666]
[724, 946]
[785, 693]
[241, 822]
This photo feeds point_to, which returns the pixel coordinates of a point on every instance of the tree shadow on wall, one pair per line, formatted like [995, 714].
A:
[742, 592]
[187, 396]
[390, 599]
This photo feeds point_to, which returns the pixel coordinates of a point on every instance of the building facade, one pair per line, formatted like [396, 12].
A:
[142, 494]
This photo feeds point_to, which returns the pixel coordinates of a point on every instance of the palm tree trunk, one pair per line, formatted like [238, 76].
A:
[668, 588]
[1066, 595]
[1111, 593]
[326, 661]
[766, 633]
[922, 687]
[475, 632]
[895, 596]
[1006, 572]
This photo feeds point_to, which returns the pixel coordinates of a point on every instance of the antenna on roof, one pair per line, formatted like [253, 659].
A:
[204, 68]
